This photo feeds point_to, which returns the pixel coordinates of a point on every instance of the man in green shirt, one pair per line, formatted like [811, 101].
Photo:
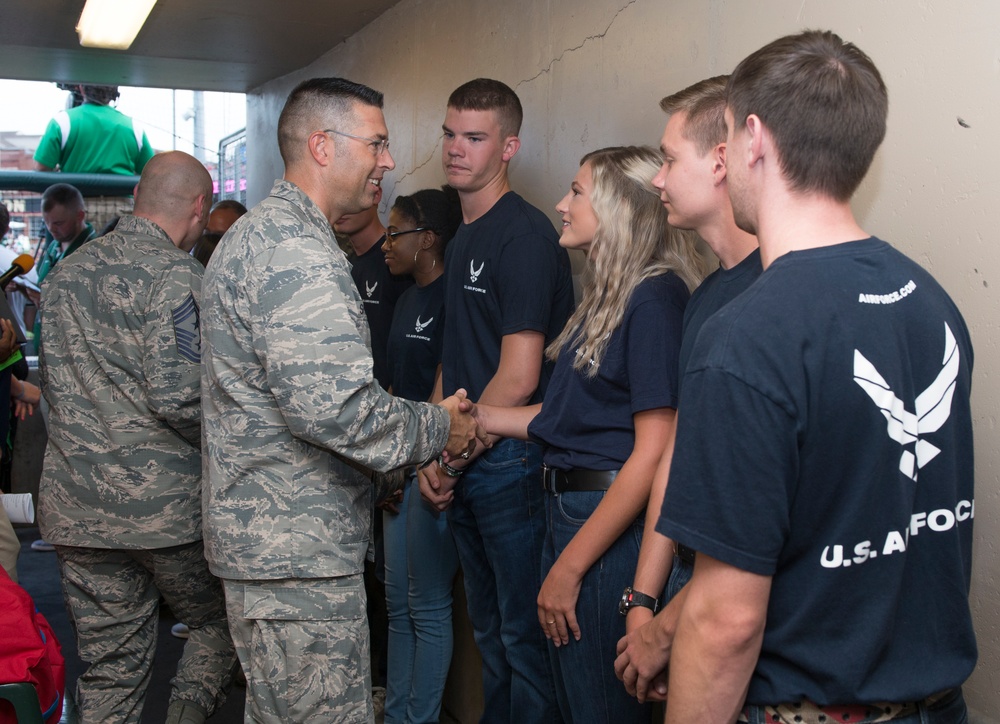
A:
[65, 217]
[93, 138]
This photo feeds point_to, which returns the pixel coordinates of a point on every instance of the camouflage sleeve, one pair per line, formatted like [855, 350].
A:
[172, 349]
[313, 346]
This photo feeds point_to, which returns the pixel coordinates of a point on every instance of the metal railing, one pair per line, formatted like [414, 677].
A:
[90, 184]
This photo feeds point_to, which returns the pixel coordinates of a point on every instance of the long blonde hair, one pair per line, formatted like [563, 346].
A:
[633, 242]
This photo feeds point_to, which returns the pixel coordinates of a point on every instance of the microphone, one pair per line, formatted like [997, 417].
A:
[20, 265]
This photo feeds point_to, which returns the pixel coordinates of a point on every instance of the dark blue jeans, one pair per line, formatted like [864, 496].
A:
[498, 521]
[584, 670]
[680, 574]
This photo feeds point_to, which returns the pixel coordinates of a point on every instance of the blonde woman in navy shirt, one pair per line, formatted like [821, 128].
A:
[608, 411]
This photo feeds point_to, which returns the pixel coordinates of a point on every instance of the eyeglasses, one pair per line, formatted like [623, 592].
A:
[390, 236]
[378, 145]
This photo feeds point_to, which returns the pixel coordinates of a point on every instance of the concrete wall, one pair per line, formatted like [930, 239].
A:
[591, 73]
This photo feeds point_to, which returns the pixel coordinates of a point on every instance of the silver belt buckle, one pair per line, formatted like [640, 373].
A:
[549, 479]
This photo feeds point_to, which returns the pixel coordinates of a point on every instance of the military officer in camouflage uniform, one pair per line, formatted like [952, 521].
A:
[120, 494]
[294, 419]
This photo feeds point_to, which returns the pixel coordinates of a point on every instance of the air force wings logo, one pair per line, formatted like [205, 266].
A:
[187, 331]
[473, 272]
[421, 326]
[932, 406]
[370, 289]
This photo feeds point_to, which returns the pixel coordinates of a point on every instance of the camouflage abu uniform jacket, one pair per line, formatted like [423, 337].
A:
[289, 399]
[120, 371]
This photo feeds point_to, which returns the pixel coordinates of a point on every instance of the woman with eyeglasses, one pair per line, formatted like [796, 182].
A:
[420, 557]
[606, 416]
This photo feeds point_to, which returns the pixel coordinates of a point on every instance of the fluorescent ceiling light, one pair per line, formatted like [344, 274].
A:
[112, 23]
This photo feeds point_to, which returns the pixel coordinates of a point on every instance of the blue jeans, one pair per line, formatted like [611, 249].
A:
[584, 670]
[498, 520]
[680, 574]
[420, 568]
[949, 710]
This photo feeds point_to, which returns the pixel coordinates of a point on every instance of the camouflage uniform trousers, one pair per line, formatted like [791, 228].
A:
[303, 645]
[113, 597]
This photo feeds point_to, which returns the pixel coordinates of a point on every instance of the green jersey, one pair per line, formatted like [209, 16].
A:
[94, 138]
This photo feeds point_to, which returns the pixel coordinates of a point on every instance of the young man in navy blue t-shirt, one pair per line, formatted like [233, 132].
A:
[508, 293]
[823, 469]
[693, 189]
[378, 288]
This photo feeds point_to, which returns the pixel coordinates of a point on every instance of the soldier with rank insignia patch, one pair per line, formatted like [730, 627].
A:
[120, 495]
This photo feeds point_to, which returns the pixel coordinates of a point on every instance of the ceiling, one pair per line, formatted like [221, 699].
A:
[218, 45]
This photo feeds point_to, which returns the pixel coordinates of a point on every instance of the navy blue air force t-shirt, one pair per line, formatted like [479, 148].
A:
[825, 440]
[717, 290]
[504, 273]
[379, 292]
[587, 422]
[415, 339]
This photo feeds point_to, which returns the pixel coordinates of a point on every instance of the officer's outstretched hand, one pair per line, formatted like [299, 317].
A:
[465, 430]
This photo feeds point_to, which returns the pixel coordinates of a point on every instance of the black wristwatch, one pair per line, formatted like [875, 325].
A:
[631, 599]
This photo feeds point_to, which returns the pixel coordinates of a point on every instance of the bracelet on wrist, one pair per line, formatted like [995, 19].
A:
[448, 469]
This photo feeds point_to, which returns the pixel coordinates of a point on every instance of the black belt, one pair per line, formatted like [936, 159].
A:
[577, 480]
[685, 554]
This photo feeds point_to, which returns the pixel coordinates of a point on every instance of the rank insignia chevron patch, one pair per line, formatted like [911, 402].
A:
[187, 331]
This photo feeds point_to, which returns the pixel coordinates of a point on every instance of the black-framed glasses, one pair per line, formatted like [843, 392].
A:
[390, 236]
[378, 145]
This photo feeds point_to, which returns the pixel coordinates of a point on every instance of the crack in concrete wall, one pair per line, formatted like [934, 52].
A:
[586, 40]
[399, 179]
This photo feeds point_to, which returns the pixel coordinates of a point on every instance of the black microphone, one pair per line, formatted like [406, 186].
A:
[20, 265]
